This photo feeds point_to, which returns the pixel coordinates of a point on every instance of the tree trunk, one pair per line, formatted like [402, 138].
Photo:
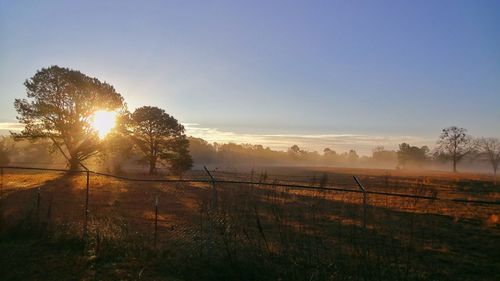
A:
[74, 164]
[454, 165]
[152, 166]
[495, 176]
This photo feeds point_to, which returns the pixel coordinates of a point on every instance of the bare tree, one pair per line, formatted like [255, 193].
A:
[490, 150]
[454, 143]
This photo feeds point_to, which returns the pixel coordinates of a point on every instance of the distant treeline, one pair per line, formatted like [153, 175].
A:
[60, 112]
[41, 153]
[406, 157]
[454, 146]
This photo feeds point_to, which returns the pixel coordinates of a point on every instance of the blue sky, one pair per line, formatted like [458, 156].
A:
[344, 74]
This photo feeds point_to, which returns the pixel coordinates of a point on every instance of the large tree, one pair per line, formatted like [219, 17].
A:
[60, 106]
[490, 150]
[453, 144]
[159, 137]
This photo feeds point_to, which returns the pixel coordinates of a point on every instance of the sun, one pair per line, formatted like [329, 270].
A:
[103, 122]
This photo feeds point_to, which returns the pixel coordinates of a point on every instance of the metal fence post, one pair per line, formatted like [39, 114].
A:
[1, 183]
[365, 244]
[85, 226]
[156, 222]
[214, 190]
[211, 207]
[38, 206]
[1, 196]
[364, 200]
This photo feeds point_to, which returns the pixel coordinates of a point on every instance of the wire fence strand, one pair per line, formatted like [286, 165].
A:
[274, 183]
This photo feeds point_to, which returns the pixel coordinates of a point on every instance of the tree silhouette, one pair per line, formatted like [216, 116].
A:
[295, 152]
[490, 149]
[454, 143]
[4, 151]
[60, 105]
[159, 136]
[352, 156]
[411, 155]
[180, 160]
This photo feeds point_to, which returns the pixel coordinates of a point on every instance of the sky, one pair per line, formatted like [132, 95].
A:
[338, 74]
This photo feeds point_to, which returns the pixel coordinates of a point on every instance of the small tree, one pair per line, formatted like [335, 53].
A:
[4, 151]
[411, 155]
[382, 156]
[60, 106]
[115, 151]
[329, 156]
[159, 136]
[490, 150]
[352, 156]
[454, 143]
[295, 153]
[180, 160]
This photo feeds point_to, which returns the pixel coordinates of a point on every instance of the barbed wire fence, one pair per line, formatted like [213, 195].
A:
[222, 214]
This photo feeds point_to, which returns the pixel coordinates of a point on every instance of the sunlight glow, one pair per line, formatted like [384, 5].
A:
[103, 122]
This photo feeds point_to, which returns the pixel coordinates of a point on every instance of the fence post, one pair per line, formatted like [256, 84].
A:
[1, 183]
[364, 200]
[365, 246]
[85, 226]
[38, 206]
[214, 190]
[1, 196]
[156, 222]
[211, 207]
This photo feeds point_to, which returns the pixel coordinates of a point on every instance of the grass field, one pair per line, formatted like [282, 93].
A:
[250, 232]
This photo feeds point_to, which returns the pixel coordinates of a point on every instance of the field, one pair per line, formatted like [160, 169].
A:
[239, 231]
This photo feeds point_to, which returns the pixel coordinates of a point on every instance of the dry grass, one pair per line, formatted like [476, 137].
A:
[268, 233]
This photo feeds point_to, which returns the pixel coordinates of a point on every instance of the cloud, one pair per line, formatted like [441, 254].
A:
[362, 143]
[7, 126]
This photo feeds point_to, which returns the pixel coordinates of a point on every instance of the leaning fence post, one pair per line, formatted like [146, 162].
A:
[214, 190]
[85, 225]
[212, 207]
[363, 189]
[364, 200]
[156, 222]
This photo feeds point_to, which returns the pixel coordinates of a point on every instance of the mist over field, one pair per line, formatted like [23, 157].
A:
[250, 140]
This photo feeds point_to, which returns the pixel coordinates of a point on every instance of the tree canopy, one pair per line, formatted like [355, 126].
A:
[159, 136]
[59, 106]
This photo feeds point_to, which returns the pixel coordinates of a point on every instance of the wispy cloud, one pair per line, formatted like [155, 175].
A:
[362, 143]
[10, 126]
